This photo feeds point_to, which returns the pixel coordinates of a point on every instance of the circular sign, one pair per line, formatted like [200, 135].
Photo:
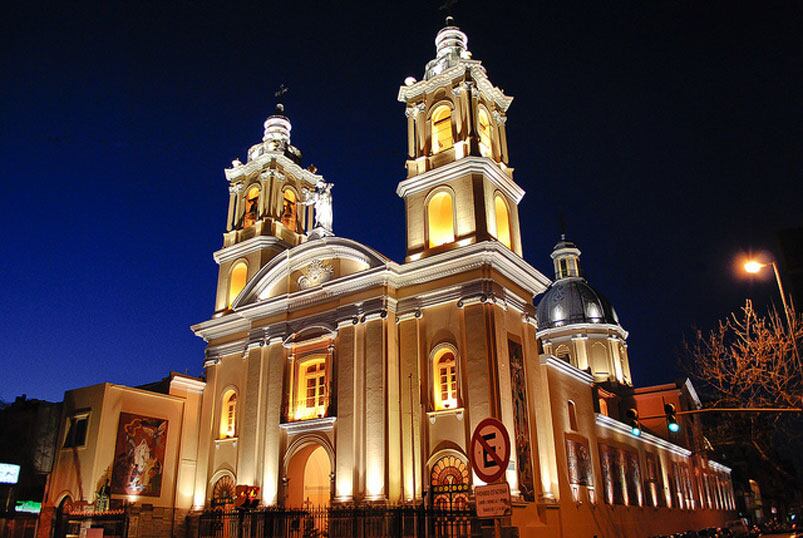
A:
[490, 450]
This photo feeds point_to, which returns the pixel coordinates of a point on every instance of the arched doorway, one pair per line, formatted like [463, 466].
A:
[309, 481]
[449, 483]
[62, 513]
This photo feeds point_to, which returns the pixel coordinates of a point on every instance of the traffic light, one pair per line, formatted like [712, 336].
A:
[671, 420]
[632, 420]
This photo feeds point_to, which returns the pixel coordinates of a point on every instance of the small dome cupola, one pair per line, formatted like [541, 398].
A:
[451, 46]
[277, 127]
[566, 258]
[570, 299]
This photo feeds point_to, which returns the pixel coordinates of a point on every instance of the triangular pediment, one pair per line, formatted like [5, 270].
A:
[309, 266]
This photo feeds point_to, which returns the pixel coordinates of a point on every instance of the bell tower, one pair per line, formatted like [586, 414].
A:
[266, 214]
[459, 188]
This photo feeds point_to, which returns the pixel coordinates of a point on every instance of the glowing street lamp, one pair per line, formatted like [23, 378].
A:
[754, 266]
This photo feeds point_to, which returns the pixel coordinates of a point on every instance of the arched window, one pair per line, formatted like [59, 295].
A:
[442, 138]
[502, 221]
[237, 279]
[251, 207]
[289, 209]
[563, 353]
[311, 398]
[228, 415]
[484, 130]
[440, 219]
[444, 377]
[572, 415]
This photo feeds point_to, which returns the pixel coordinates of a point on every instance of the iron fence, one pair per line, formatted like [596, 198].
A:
[340, 522]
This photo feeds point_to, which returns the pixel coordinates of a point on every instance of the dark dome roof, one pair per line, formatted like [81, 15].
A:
[572, 300]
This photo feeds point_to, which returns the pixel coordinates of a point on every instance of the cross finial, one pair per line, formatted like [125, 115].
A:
[562, 219]
[278, 94]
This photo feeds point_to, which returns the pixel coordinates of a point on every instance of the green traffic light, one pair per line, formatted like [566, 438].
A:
[674, 427]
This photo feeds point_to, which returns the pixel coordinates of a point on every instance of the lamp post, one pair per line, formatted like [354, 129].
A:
[755, 266]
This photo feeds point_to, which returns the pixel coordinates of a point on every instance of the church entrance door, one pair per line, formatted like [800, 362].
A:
[308, 475]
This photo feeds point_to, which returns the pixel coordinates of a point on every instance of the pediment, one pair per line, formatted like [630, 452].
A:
[309, 266]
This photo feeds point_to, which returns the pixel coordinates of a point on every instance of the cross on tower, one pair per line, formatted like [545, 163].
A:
[447, 7]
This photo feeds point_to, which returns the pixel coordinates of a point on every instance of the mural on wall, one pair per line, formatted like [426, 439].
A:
[521, 421]
[139, 455]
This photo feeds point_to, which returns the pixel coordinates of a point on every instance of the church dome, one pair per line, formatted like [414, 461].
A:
[572, 300]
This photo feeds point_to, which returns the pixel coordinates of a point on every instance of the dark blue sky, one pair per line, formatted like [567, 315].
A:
[668, 133]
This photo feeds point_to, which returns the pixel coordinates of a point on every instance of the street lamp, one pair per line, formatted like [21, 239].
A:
[755, 266]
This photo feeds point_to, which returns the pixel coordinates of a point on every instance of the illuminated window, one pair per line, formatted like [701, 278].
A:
[251, 207]
[228, 415]
[237, 280]
[502, 221]
[444, 376]
[311, 398]
[603, 406]
[76, 431]
[289, 209]
[440, 219]
[442, 138]
[484, 129]
[572, 416]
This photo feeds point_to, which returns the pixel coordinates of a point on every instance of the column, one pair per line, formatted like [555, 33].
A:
[274, 388]
[375, 409]
[344, 433]
[250, 429]
[411, 408]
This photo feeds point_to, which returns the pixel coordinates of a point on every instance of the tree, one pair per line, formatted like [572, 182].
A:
[751, 360]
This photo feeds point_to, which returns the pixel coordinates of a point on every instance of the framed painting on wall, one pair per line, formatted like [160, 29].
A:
[139, 455]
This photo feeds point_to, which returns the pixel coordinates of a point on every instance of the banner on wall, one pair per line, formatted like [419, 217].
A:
[139, 455]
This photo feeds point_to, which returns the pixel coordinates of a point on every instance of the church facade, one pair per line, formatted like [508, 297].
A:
[335, 375]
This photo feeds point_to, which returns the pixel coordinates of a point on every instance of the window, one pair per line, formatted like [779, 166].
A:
[440, 219]
[76, 431]
[311, 399]
[442, 138]
[444, 377]
[289, 209]
[237, 280]
[603, 406]
[502, 221]
[563, 353]
[572, 416]
[484, 130]
[251, 207]
[654, 494]
[613, 470]
[228, 415]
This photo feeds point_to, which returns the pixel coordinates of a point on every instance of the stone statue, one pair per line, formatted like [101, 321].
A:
[321, 198]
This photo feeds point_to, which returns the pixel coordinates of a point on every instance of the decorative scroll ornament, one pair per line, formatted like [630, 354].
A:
[315, 274]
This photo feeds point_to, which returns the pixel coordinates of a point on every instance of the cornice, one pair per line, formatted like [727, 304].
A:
[188, 384]
[614, 425]
[719, 467]
[489, 254]
[244, 247]
[458, 168]
[567, 330]
[453, 74]
[567, 369]
[257, 165]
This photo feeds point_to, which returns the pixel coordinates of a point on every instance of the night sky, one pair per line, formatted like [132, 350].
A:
[668, 134]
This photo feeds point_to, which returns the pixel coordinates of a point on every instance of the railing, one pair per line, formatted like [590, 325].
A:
[340, 522]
